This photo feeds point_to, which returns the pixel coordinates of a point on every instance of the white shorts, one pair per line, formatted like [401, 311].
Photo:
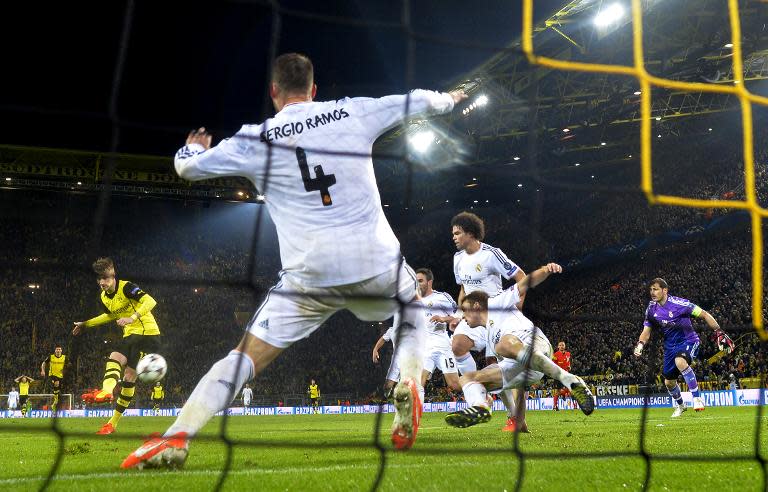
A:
[393, 374]
[478, 335]
[441, 359]
[292, 311]
[514, 375]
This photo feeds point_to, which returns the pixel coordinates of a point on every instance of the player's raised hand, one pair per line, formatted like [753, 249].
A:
[78, 327]
[553, 268]
[458, 96]
[200, 136]
[639, 348]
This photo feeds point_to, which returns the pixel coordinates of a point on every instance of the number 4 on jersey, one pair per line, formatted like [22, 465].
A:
[320, 183]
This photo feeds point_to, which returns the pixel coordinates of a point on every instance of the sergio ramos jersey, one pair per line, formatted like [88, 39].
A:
[505, 319]
[325, 205]
[440, 304]
[483, 269]
[674, 317]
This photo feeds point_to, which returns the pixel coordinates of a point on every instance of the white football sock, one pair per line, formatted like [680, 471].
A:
[542, 363]
[410, 337]
[475, 394]
[466, 364]
[509, 401]
[213, 393]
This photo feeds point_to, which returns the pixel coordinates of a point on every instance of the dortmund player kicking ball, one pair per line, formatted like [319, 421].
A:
[128, 305]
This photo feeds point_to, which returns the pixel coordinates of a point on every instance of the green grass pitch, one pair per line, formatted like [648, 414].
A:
[309, 453]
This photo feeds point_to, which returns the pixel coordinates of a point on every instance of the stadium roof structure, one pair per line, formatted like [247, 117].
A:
[598, 114]
[578, 117]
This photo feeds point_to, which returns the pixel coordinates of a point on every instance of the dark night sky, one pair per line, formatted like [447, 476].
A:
[191, 63]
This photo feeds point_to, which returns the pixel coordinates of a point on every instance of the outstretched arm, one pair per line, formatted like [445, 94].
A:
[645, 335]
[536, 277]
[375, 355]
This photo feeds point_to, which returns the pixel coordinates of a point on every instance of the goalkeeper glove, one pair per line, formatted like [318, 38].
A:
[639, 348]
[724, 342]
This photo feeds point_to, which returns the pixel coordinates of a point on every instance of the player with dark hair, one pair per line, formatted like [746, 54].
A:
[131, 307]
[157, 395]
[55, 372]
[681, 343]
[440, 310]
[563, 359]
[312, 161]
[521, 348]
[314, 396]
[480, 266]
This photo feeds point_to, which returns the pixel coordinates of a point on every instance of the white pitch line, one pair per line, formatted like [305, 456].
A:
[296, 470]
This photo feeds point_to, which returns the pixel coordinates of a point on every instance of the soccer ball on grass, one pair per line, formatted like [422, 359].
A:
[151, 368]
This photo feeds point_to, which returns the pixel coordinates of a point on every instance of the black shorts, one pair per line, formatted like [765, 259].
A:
[134, 347]
[54, 380]
[314, 401]
[22, 400]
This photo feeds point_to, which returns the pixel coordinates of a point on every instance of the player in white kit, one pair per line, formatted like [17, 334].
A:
[393, 373]
[440, 310]
[312, 161]
[479, 266]
[13, 399]
[247, 396]
[524, 353]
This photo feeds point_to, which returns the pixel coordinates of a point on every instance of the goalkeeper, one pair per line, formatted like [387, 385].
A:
[681, 343]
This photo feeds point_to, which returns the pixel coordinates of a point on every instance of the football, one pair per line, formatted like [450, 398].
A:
[151, 368]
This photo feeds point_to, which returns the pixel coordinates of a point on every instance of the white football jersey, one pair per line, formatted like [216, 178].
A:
[389, 336]
[438, 304]
[504, 318]
[247, 393]
[483, 269]
[325, 206]
[13, 399]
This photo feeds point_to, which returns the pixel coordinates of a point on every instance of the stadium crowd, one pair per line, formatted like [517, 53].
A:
[208, 282]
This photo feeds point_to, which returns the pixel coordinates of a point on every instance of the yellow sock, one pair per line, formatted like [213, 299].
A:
[126, 395]
[112, 375]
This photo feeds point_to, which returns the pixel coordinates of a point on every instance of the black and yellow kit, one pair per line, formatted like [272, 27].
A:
[141, 336]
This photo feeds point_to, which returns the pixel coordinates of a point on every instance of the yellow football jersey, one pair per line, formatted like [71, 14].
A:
[128, 299]
[56, 365]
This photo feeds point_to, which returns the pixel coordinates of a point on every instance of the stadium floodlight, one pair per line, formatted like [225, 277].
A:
[609, 15]
[481, 100]
[421, 141]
